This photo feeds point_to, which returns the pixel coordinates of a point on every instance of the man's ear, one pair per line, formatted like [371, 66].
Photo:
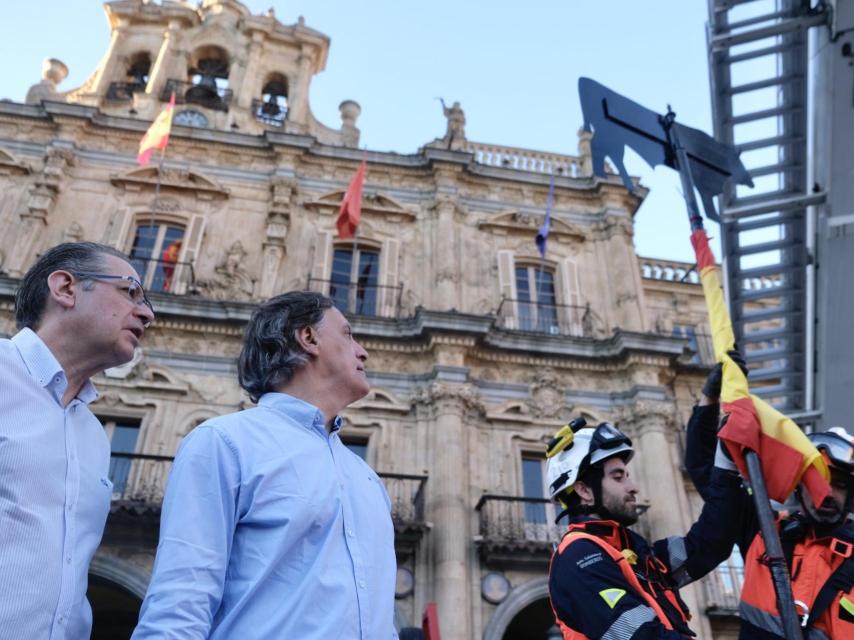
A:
[585, 493]
[63, 289]
[307, 339]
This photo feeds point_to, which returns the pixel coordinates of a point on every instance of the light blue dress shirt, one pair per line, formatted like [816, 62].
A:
[271, 529]
[54, 495]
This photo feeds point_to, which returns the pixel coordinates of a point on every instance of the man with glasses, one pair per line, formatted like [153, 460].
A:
[80, 310]
[605, 580]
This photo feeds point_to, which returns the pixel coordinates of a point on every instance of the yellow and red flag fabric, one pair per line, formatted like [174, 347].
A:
[787, 455]
[350, 211]
[157, 136]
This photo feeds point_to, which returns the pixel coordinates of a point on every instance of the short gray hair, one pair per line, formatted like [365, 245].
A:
[271, 354]
[31, 297]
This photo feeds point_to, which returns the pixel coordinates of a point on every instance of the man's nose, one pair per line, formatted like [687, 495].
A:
[361, 353]
[143, 312]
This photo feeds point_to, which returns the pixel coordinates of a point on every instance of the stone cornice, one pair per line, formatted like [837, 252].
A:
[426, 329]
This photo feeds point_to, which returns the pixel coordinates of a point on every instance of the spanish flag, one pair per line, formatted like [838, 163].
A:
[157, 136]
[787, 455]
[350, 211]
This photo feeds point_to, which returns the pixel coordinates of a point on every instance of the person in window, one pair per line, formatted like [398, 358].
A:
[271, 527]
[80, 310]
[605, 580]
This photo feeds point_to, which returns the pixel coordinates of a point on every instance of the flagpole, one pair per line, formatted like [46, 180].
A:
[774, 548]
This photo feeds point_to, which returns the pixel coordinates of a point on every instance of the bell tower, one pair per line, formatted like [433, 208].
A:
[229, 70]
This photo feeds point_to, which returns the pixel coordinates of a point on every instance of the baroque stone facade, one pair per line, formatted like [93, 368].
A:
[479, 349]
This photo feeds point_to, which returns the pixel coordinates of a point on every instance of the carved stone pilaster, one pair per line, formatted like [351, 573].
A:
[39, 204]
[442, 398]
[278, 223]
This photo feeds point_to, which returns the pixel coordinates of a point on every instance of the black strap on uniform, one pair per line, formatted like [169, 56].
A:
[841, 579]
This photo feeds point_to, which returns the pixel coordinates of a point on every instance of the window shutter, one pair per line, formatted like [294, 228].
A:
[389, 292]
[322, 262]
[190, 251]
[571, 293]
[507, 288]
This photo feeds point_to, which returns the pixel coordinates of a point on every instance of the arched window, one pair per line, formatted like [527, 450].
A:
[272, 108]
[135, 80]
[208, 79]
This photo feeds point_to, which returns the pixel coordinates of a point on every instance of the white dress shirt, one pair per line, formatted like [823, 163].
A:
[54, 494]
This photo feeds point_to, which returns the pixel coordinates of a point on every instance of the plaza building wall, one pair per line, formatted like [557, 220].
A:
[479, 349]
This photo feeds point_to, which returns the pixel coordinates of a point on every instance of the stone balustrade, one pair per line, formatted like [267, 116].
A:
[495, 155]
[669, 270]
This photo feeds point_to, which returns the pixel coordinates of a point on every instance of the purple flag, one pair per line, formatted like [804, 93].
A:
[543, 233]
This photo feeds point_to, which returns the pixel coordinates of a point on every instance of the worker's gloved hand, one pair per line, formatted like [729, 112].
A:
[712, 387]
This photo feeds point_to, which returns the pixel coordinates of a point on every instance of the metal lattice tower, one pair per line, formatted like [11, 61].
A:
[758, 59]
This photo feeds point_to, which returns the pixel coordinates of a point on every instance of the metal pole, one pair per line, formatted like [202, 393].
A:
[773, 549]
[767, 526]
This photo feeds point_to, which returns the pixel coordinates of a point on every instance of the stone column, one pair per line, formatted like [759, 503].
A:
[298, 98]
[448, 507]
[162, 69]
[446, 256]
[656, 468]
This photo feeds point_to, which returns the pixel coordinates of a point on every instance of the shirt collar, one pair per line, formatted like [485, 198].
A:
[305, 413]
[45, 368]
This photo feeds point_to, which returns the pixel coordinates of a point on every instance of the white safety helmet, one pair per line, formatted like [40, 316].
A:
[577, 447]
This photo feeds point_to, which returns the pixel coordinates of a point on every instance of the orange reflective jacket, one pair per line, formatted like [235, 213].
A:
[813, 562]
[628, 573]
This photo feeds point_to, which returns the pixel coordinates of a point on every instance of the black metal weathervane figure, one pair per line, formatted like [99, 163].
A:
[709, 166]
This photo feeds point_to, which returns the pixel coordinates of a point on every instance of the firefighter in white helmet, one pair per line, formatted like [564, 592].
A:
[605, 580]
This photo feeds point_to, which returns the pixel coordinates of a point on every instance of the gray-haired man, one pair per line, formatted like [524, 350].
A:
[271, 527]
[80, 309]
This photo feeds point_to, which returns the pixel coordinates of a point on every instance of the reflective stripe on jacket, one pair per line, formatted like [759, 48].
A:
[625, 621]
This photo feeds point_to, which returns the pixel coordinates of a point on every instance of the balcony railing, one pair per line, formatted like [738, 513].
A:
[361, 299]
[165, 276]
[407, 501]
[123, 91]
[517, 529]
[269, 113]
[554, 319]
[723, 586]
[209, 96]
[139, 477]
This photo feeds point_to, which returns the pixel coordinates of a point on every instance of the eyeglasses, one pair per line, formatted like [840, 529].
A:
[134, 289]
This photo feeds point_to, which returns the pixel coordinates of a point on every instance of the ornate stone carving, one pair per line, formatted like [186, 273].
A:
[53, 72]
[455, 134]
[460, 398]
[548, 397]
[74, 233]
[232, 281]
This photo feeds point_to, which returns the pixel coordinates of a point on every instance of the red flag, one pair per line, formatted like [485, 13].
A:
[787, 455]
[157, 136]
[351, 206]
